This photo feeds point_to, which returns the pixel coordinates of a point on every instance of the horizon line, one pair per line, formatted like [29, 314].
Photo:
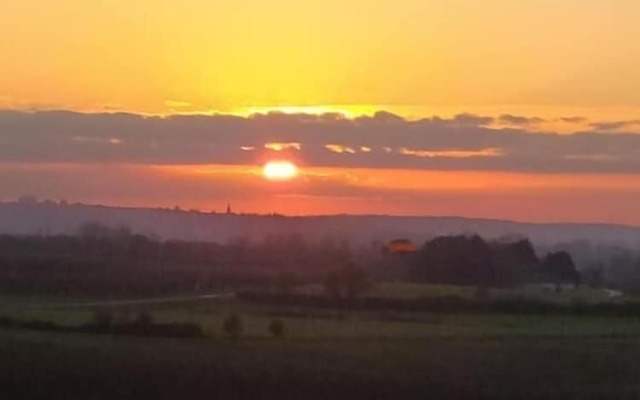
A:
[35, 201]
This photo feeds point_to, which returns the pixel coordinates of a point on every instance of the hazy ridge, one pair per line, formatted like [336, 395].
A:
[26, 218]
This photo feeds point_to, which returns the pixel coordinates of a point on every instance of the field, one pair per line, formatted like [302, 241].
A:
[310, 323]
[39, 365]
[531, 292]
[324, 354]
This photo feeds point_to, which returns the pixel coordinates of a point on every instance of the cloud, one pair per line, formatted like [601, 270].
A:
[573, 120]
[340, 149]
[616, 125]
[282, 146]
[469, 120]
[509, 119]
[492, 152]
[384, 140]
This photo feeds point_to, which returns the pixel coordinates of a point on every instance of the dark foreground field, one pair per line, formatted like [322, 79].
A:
[78, 366]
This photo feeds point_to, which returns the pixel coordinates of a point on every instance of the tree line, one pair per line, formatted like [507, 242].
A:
[105, 261]
[473, 261]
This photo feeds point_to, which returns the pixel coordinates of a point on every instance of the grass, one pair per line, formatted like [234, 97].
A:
[37, 365]
[402, 290]
[308, 323]
[305, 323]
[582, 294]
[326, 354]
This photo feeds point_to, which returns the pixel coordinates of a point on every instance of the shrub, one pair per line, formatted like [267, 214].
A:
[103, 317]
[124, 316]
[166, 330]
[41, 326]
[276, 328]
[285, 283]
[233, 326]
[144, 318]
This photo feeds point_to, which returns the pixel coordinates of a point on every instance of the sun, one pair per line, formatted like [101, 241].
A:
[279, 170]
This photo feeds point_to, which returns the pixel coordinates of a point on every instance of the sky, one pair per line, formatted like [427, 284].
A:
[526, 110]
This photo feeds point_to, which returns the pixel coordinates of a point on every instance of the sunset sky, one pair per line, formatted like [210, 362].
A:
[526, 110]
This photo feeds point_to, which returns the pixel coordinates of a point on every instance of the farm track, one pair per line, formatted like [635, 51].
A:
[116, 303]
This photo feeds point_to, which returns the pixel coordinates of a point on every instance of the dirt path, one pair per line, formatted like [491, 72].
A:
[134, 302]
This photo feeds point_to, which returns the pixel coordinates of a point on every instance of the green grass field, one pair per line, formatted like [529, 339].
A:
[399, 290]
[403, 290]
[324, 353]
[309, 323]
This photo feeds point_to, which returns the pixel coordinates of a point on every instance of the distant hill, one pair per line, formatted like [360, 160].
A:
[32, 217]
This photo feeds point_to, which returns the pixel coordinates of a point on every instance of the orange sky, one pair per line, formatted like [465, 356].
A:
[518, 196]
[541, 59]
[524, 197]
[416, 56]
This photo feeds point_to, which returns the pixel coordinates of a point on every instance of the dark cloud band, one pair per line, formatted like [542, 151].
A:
[465, 142]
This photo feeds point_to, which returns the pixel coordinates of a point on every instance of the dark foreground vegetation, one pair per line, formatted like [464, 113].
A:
[102, 261]
[105, 262]
[114, 262]
[73, 366]
[313, 320]
[135, 328]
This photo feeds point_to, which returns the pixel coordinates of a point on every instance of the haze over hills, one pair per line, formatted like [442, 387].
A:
[28, 216]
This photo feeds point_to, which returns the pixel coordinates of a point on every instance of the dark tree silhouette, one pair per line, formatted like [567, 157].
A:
[332, 285]
[594, 275]
[112, 262]
[144, 317]
[471, 261]
[355, 280]
[276, 328]
[514, 262]
[465, 260]
[233, 326]
[349, 281]
[285, 282]
[559, 268]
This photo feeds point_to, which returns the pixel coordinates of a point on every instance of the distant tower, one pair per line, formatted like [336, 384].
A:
[229, 209]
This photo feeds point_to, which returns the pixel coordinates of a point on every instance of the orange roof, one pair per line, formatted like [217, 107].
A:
[401, 246]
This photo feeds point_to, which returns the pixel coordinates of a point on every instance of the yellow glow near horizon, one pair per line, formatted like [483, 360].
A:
[400, 179]
[280, 170]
